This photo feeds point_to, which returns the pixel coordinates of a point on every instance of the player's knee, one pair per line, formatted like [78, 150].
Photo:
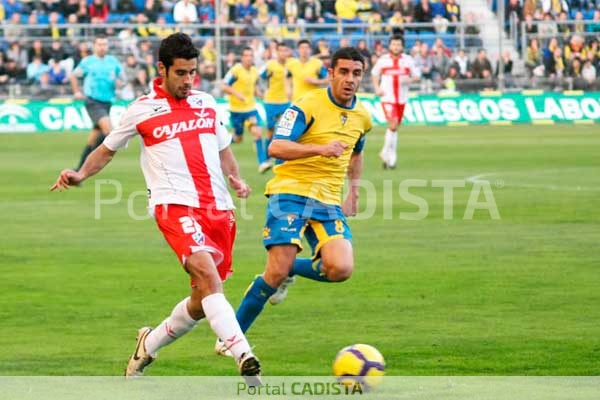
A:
[339, 271]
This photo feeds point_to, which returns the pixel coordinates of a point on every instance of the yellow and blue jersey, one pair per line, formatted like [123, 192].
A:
[318, 119]
[275, 75]
[299, 71]
[244, 81]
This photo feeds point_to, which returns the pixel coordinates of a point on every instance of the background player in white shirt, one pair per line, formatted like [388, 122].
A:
[185, 155]
[392, 75]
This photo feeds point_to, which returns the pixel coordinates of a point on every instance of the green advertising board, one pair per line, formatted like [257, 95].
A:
[441, 109]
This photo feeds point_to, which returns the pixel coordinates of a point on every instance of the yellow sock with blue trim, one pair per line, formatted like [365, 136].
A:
[310, 269]
[253, 302]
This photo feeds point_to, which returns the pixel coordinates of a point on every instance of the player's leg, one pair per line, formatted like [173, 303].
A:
[390, 117]
[283, 237]
[393, 131]
[254, 125]
[329, 240]
[99, 113]
[237, 123]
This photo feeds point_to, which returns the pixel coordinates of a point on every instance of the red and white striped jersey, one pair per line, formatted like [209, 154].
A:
[391, 71]
[181, 140]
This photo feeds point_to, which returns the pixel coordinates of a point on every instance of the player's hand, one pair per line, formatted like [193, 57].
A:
[333, 149]
[379, 92]
[241, 188]
[78, 95]
[67, 178]
[350, 205]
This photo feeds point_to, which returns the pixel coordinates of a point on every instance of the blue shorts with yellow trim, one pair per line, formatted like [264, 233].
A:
[290, 218]
[240, 119]
[274, 111]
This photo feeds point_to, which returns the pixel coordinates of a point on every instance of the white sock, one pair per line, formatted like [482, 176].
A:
[387, 143]
[221, 317]
[176, 325]
[392, 155]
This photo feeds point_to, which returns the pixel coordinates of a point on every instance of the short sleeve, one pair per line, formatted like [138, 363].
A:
[124, 131]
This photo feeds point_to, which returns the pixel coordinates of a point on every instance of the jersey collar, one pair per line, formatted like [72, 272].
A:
[336, 103]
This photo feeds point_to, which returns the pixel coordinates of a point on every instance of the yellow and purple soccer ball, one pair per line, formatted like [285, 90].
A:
[359, 364]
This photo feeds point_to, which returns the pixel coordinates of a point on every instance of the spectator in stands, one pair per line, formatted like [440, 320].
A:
[135, 77]
[245, 11]
[395, 25]
[310, 11]
[531, 8]
[507, 68]
[185, 12]
[375, 24]
[462, 64]
[364, 10]
[424, 15]
[322, 50]
[588, 73]
[547, 29]
[262, 11]
[554, 7]
[346, 11]
[68, 7]
[424, 63]
[14, 7]
[98, 12]
[33, 27]
[514, 12]
[565, 27]
[35, 69]
[13, 30]
[594, 27]
[83, 16]
[407, 9]
[534, 57]
[554, 66]
[291, 31]
[17, 53]
[452, 14]
[82, 51]
[37, 49]
[274, 30]
[440, 24]
[12, 74]
[472, 31]
[481, 68]
[363, 49]
[441, 64]
[153, 8]
[160, 29]
[59, 55]
[53, 31]
[575, 49]
[531, 28]
[57, 75]
[125, 7]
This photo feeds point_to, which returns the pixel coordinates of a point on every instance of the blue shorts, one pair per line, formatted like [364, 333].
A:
[290, 218]
[274, 111]
[238, 119]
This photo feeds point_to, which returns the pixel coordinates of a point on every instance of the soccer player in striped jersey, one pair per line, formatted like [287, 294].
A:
[185, 156]
[392, 75]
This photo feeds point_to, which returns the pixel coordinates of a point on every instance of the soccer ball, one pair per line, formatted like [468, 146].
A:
[359, 364]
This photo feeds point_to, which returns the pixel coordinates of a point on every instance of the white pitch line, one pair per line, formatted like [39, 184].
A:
[473, 178]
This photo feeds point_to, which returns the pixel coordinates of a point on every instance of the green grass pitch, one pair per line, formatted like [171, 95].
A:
[519, 295]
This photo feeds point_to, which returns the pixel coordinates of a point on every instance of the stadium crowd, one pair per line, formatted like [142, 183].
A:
[42, 40]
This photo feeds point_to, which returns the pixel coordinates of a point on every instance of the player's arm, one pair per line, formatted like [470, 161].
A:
[227, 86]
[376, 79]
[291, 126]
[97, 160]
[321, 79]
[355, 168]
[74, 77]
[231, 170]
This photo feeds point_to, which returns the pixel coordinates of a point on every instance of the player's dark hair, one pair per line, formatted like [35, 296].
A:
[303, 41]
[347, 53]
[397, 37]
[177, 45]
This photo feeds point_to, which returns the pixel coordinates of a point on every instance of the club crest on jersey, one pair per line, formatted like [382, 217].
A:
[195, 101]
[344, 118]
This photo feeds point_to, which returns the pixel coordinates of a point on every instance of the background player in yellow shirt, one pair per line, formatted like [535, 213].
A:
[307, 72]
[279, 88]
[241, 85]
[319, 140]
